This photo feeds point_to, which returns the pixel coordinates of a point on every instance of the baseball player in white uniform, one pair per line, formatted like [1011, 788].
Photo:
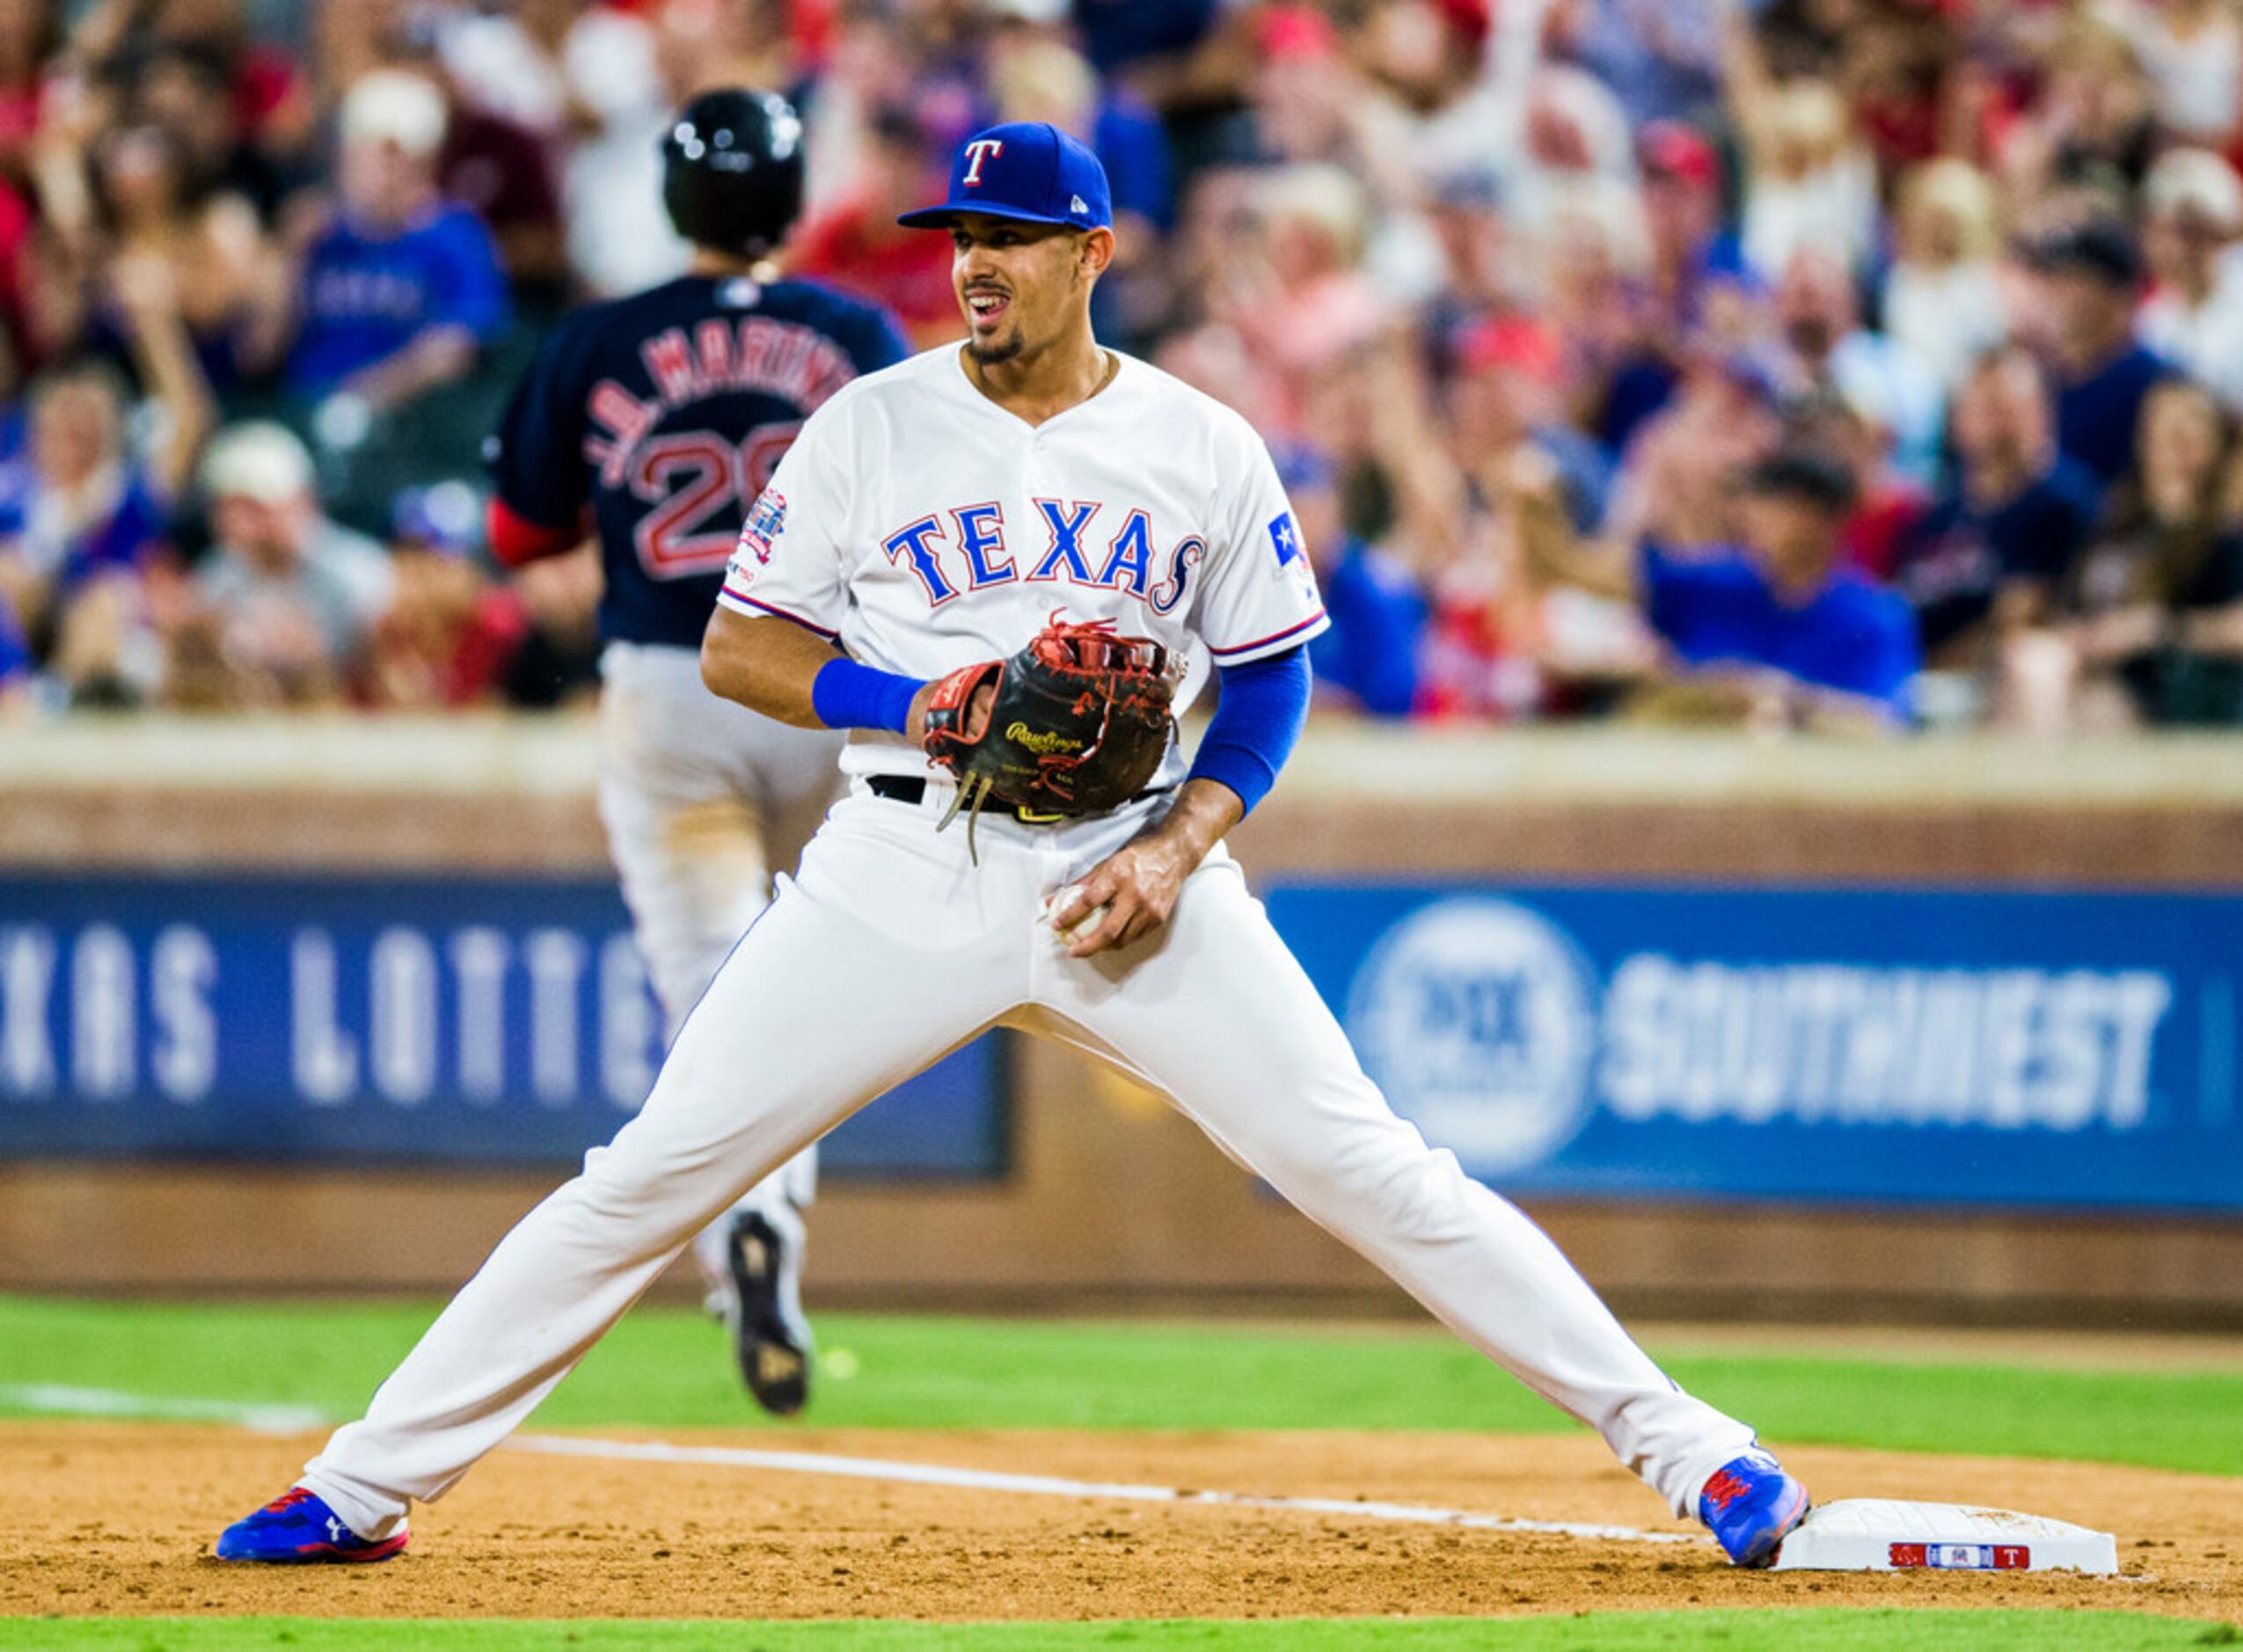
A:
[932, 518]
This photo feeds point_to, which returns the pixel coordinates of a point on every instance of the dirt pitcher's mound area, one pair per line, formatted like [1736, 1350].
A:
[103, 1518]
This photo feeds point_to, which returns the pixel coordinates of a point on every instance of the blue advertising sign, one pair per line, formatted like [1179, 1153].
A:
[1934, 1047]
[324, 1019]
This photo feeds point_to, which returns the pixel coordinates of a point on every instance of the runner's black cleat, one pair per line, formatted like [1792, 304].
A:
[769, 1336]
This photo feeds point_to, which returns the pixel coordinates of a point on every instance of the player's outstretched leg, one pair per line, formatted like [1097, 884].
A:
[1217, 1013]
[702, 800]
[834, 997]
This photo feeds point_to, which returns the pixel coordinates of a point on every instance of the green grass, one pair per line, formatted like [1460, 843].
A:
[1793, 1631]
[665, 1368]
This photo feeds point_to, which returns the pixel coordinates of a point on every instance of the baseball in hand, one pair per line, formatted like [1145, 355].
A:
[1082, 925]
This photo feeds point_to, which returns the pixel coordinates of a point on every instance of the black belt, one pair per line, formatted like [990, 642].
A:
[903, 788]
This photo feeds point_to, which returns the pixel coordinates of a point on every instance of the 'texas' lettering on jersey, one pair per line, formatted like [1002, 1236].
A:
[755, 355]
[1075, 542]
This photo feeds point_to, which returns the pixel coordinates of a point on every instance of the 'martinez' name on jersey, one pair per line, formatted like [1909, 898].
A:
[665, 414]
[755, 356]
[923, 527]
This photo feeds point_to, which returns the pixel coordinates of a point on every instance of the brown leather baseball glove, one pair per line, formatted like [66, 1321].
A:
[1078, 723]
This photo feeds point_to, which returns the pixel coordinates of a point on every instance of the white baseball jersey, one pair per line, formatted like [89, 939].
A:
[925, 528]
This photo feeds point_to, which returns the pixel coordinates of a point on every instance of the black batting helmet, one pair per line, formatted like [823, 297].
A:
[732, 170]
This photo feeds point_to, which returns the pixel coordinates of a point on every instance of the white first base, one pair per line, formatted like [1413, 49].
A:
[1877, 1534]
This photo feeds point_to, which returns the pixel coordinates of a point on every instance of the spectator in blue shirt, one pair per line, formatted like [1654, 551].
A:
[2092, 277]
[73, 507]
[85, 518]
[2007, 529]
[1368, 659]
[398, 292]
[1780, 633]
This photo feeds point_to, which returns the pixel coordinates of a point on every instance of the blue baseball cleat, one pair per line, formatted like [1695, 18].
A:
[296, 1529]
[1751, 1506]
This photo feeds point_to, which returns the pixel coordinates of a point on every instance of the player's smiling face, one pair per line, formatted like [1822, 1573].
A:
[1022, 286]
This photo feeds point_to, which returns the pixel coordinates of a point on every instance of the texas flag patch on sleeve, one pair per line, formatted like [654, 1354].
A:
[1284, 537]
[1292, 555]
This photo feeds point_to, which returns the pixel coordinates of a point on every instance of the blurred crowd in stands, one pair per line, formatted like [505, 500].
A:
[1855, 365]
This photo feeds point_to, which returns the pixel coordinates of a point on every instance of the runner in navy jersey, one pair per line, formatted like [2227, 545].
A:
[652, 423]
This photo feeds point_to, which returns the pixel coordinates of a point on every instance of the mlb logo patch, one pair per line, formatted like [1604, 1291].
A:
[766, 519]
[1285, 537]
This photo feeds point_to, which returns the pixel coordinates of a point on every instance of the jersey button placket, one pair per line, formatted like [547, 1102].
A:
[1032, 488]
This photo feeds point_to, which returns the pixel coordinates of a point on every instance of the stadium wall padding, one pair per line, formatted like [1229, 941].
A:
[1105, 1193]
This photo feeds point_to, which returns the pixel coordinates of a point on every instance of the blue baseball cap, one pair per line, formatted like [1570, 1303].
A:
[1025, 170]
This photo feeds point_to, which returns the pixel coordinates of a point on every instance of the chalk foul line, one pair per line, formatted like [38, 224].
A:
[61, 1398]
[110, 1402]
[1052, 1486]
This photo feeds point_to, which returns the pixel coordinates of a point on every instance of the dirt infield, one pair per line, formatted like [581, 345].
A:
[109, 1518]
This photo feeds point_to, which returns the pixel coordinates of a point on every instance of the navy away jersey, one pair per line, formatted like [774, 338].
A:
[664, 414]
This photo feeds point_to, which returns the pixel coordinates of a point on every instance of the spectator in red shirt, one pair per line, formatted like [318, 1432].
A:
[858, 246]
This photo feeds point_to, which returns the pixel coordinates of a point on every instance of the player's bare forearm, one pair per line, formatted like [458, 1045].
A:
[1203, 811]
[767, 665]
[1138, 884]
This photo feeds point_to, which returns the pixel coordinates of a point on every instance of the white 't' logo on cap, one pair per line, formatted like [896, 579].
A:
[980, 150]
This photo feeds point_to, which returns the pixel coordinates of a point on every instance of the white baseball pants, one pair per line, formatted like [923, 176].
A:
[704, 801]
[884, 950]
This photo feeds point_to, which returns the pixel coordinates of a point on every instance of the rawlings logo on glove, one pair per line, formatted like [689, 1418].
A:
[1078, 723]
[1042, 742]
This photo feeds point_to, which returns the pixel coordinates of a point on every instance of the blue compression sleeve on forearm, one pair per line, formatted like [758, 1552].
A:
[847, 695]
[1265, 705]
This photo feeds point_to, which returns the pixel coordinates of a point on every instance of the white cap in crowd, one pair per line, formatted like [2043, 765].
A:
[394, 106]
[259, 460]
[2196, 181]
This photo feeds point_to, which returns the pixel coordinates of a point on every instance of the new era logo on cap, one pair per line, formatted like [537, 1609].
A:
[1029, 171]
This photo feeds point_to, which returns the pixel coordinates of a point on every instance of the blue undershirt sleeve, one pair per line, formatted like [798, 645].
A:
[847, 695]
[1264, 707]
